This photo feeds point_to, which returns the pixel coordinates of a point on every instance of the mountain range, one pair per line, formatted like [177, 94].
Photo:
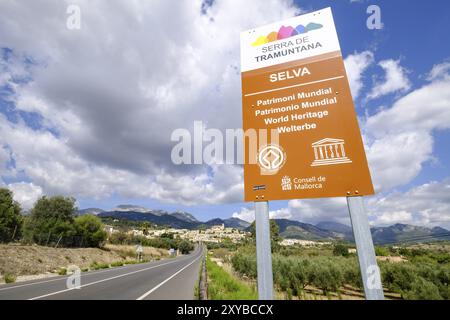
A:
[178, 219]
[290, 229]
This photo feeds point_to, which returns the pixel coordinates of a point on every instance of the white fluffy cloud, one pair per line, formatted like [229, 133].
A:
[356, 64]
[109, 95]
[426, 205]
[400, 139]
[310, 211]
[25, 193]
[395, 80]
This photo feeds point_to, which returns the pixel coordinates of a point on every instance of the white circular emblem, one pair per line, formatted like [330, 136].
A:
[271, 157]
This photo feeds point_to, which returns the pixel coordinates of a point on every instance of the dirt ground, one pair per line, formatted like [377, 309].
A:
[26, 262]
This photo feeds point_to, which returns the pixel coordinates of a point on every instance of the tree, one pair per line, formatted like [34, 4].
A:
[51, 216]
[340, 250]
[91, 229]
[10, 218]
[274, 234]
[185, 247]
[145, 228]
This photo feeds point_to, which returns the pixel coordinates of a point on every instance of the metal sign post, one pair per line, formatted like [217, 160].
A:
[294, 83]
[263, 251]
[370, 272]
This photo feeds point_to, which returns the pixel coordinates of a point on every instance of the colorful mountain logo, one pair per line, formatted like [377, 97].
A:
[285, 33]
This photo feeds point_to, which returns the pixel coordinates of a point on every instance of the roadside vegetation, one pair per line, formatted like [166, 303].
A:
[223, 286]
[52, 236]
[332, 271]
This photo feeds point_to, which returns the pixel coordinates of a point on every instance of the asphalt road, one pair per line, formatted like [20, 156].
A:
[166, 279]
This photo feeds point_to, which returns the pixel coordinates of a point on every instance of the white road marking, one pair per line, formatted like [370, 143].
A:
[65, 277]
[294, 86]
[103, 280]
[159, 285]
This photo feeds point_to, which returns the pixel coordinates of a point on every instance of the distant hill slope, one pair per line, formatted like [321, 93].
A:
[185, 216]
[408, 233]
[334, 226]
[162, 220]
[229, 223]
[90, 211]
[289, 229]
[297, 230]
[381, 235]
[181, 220]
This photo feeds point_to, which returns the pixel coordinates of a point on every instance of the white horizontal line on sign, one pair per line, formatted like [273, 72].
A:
[294, 86]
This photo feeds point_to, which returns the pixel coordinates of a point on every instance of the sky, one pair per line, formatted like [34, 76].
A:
[89, 112]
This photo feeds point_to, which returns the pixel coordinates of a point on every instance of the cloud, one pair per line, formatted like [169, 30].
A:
[245, 214]
[427, 108]
[425, 205]
[25, 193]
[309, 211]
[356, 64]
[397, 159]
[439, 71]
[108, 96]
[400, 139]
[396, 80]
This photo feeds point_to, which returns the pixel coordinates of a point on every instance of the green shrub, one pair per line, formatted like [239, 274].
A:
[382, 252]
[90, 229]
[62, 271]
[422, 289]
[97, 266]
[340, 250]
[117, 264]
[9, 278]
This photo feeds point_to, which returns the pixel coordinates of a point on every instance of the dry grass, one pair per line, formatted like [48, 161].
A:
[25, 260]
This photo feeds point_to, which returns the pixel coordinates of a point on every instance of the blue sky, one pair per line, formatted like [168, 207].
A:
[89, 112]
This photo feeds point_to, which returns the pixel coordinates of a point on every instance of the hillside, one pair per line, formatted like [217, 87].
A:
[180, 220]
[38, 260]
[290, 229]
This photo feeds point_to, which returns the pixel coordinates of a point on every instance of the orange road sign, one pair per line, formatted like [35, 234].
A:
[294, 86]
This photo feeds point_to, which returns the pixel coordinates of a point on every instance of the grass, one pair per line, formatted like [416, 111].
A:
[224, 286]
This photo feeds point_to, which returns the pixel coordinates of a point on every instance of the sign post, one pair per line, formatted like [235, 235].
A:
[263, 251]
[366, 253]
[302, 138]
